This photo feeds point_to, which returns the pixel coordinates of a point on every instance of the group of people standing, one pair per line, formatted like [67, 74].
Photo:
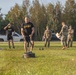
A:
[66, 36]
[28, 33]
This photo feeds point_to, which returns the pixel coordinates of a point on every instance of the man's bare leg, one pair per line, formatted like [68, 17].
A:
[31, 46]
[12, 44]
[25, 46]
[9, 43]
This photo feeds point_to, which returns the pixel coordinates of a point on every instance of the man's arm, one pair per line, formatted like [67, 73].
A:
[72, 31]
[44, 33]
[61, 31]
[33, 31]
[5, 27]
[22, 32]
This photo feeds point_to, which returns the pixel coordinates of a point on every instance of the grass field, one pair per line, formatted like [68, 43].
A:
[50, 61]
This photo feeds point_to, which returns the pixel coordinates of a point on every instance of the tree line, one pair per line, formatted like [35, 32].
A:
[41, 15]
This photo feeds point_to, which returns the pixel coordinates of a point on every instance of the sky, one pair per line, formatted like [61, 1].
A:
[7, 4]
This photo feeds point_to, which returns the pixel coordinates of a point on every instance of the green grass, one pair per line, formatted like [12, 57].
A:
[50, 61]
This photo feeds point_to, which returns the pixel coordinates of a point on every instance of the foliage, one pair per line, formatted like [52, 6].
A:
[38, 17]
[15, 16]
[69, 14]
[2, 23]
[42, 15]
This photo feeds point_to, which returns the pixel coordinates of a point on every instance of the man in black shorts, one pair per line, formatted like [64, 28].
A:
[9, 29]
[27, 31]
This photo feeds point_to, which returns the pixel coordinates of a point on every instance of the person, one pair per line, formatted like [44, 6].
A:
[70, 36]
[64, 34]
[9, 30]
[47, 36]
[27, 31]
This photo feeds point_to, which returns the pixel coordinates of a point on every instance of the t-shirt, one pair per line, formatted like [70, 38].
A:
[9, 31]
[27, 28]
[47, 33]
[64, 30]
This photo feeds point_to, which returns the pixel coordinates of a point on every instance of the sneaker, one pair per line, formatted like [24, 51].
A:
[66, 47]
[13, 47]
[63, 48]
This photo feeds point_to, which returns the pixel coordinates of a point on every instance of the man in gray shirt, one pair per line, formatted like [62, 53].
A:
[64, 34]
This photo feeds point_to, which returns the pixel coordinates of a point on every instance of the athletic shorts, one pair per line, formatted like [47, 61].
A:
[10, 37]
[27, 38]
